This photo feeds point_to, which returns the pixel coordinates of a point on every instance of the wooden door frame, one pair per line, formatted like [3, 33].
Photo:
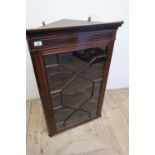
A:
[46, 99]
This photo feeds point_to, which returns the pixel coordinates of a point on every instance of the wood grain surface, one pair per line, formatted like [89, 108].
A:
[107, 135]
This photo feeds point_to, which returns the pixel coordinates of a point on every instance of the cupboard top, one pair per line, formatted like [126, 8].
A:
[71, 26]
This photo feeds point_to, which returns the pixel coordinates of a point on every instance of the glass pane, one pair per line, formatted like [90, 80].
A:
[58, 76]
[75, 80]
[91, 106]
[56, 98]
[51, 59]
[76, 92]
[60, 115]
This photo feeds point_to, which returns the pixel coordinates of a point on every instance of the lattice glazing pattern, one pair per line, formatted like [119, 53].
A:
[75, 80]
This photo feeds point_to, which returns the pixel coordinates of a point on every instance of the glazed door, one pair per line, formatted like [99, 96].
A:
[74, 80]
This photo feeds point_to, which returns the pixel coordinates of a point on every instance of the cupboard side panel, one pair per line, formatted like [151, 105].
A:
[41, 87]
[47, 91]
[105, 76]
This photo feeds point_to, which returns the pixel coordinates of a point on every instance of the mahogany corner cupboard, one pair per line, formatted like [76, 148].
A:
[71, 61]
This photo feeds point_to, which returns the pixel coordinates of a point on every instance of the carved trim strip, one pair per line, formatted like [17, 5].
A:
[75, 29]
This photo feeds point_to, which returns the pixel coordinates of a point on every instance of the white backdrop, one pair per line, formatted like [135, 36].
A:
[101, 10]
